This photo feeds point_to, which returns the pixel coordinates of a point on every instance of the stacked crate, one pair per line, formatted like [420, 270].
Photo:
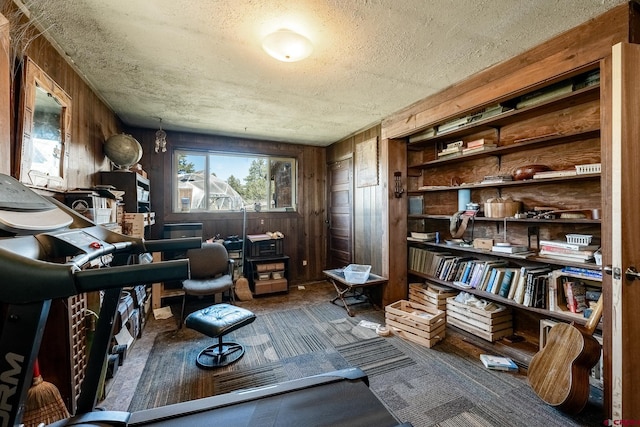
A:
[490, 325]
[431, 295]
[416, 322]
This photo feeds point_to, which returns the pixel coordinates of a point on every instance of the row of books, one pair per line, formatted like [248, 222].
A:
[525, 285]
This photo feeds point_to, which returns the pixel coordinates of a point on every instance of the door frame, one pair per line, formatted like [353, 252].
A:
[621, 249]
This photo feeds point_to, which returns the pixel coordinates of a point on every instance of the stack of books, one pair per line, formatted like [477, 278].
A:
[564, 251]
[453, 149]
[478, 145]
[498, 363]
[497, 179]
[554, 174]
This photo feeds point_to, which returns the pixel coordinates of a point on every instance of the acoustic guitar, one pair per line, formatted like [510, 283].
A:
[559, 373]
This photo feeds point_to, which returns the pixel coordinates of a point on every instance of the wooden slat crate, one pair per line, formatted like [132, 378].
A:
[431, 295]
[416, 322]
[489, 325]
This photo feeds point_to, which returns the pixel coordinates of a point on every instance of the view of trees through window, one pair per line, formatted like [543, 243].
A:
[230, 182]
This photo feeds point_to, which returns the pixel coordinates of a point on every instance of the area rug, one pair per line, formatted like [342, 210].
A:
[441, 386]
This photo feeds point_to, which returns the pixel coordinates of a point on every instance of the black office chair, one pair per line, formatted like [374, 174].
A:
[211, 273]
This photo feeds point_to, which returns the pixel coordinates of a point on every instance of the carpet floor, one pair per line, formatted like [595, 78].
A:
[441, 386]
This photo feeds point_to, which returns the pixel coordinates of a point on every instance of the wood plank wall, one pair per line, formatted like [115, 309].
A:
[304, 230]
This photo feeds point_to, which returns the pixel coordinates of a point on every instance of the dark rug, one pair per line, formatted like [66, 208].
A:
[443, 386]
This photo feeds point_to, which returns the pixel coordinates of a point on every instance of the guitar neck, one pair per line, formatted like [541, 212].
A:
[592, 323]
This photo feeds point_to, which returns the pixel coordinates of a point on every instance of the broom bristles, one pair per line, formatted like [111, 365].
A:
[44, 404]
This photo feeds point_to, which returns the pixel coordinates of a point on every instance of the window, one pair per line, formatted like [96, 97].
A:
[217, 182]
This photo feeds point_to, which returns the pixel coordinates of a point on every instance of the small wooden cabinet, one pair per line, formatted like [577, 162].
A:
[268, 275]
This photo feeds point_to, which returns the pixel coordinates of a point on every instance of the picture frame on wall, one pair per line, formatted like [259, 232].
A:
[367, 163]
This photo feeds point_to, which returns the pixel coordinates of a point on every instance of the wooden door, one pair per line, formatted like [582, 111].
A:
[621, 230]
[340, 214]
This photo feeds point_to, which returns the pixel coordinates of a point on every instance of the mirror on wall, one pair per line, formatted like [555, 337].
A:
[45, 119]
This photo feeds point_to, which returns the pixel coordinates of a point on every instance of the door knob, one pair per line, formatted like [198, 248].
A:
[631, 274]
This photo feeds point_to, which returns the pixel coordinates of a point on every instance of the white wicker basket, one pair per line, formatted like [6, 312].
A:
[579, 239]
[590, 168]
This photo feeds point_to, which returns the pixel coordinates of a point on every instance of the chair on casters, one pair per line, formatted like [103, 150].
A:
[211, 273]
[216, 321]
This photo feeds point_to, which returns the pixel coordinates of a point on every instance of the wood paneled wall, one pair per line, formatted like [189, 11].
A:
[304, 230]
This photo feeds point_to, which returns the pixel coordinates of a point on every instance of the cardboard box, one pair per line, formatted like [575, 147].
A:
[483, 244]
[270, 286]
[488, 325]
[135, 223]
[416, 322]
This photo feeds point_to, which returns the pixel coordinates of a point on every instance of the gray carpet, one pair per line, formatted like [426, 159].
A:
[441, 386]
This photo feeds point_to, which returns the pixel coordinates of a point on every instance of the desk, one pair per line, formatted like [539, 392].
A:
[343, 288]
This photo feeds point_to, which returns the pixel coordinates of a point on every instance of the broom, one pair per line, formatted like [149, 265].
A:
[242, 284]
[44, 402]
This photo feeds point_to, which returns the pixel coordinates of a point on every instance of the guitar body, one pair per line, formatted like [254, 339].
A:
[559, 373]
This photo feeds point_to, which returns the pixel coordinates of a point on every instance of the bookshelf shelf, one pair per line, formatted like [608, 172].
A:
[510, 219]
[560, 315]
[527, 182]
[583, 95]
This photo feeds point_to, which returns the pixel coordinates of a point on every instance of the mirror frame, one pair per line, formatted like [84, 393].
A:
[33, 77]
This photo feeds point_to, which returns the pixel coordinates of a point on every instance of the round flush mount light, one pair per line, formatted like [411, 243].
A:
[287, 46]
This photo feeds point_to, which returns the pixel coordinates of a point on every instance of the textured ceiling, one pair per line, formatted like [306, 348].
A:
[199, 66]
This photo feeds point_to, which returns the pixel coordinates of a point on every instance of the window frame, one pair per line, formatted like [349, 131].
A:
[176, 207]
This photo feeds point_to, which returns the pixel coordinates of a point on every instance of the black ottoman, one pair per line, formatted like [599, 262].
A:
[216, 321]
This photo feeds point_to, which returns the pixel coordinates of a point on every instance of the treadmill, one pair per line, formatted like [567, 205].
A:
[44, 246]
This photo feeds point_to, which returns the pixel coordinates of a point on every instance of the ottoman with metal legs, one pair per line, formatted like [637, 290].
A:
[216, 321]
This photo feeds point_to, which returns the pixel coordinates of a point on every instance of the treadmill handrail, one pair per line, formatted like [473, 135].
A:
[28, 279]
[131, 275]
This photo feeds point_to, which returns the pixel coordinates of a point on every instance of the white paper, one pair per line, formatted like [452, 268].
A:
[368, 325]
[162, 313]
[124, 337]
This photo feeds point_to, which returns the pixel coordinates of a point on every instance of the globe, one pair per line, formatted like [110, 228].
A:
[123, 150]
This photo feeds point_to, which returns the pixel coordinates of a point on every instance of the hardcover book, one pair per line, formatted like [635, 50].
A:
[498, 363]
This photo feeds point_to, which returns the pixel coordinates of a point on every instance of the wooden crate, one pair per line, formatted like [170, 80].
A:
[489, 325]
[431, 295]
[416, 322]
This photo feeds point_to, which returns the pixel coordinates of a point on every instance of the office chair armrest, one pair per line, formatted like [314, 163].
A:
[231, 267]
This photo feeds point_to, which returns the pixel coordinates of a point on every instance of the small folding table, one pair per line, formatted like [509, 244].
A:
[351, 293]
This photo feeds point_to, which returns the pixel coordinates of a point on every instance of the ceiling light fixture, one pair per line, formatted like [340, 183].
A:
[161, 139]
[287, 46]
